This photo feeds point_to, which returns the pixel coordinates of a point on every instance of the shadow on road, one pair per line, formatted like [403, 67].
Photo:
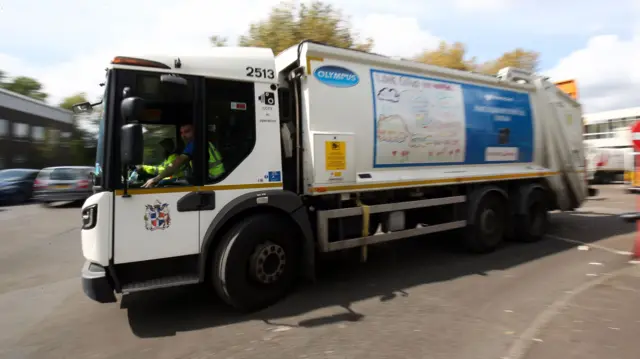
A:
[392, 268]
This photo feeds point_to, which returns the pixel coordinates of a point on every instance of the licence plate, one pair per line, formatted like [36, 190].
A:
[61, 186]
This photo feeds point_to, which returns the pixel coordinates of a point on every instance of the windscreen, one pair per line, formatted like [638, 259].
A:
[13, 175]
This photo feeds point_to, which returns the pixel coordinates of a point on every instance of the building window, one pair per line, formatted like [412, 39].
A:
[38, 133]
[4, 127]
[18, 159]
[54, 136]
[66, 139]
[20, 130]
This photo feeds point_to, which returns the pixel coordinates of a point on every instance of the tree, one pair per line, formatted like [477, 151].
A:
[25, 86]
[454, 57]
[81, 140]
[449, 56]
[288, 24]
[519, 58]
[68, 102]
[218, 41]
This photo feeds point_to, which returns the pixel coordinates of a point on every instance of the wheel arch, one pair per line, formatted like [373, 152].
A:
[285, 203]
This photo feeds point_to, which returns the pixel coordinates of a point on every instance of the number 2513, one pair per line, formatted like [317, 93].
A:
[259, 73]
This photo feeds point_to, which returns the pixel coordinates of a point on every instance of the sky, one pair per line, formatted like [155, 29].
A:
[66, 44]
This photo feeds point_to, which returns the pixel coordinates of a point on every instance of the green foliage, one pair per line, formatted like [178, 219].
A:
[519, 58]
[81, 141]
[451, 56]
[288, 24]
[218, 41]
[454, 56]
[68, 102]
[24, 86]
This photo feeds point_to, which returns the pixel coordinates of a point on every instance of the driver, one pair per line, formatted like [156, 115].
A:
[170, 155]
[216, 167]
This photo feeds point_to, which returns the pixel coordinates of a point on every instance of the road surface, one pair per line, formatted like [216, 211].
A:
[416, 299]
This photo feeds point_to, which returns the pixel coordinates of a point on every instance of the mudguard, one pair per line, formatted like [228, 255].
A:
[278, 200]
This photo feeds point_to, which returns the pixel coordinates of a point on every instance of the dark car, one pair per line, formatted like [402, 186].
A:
[16, 185]
[63, 184]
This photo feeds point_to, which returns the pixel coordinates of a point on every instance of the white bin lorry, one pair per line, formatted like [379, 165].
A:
[609, 164]
[324, 149]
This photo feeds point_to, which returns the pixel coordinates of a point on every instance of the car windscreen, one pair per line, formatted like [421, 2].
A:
[64, 174]
[13, 175]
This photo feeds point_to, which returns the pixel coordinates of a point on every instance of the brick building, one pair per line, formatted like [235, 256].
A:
[32, 133]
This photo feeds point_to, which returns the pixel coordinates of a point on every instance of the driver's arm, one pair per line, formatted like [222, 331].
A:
[177, 163]
[174, 166]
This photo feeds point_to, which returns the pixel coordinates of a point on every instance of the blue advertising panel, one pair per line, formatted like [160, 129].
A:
[420, 121]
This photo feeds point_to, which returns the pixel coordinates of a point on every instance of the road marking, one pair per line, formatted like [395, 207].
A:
[522, 344]
[592, 245]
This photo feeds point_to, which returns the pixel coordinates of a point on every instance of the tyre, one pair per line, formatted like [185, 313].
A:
[489, 225]
[256, 262]
[532, 225]
[18, 198]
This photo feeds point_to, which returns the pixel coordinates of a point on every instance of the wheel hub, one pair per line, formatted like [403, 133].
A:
[488, 221]
[268, 263]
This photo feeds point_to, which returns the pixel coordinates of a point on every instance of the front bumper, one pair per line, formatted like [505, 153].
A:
[61, 196]
[633, 189]
[95, 283]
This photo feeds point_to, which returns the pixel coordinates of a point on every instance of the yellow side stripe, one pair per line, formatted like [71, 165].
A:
[231, 187]
[223, 187]
[432, 181]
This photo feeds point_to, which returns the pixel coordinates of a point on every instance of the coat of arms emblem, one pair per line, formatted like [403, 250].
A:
[156, 216]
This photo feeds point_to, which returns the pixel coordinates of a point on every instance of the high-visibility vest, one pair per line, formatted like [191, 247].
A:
[216, 167]
[155, 170]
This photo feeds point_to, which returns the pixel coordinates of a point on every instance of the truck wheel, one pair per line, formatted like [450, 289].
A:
[488, 228]
[532, 225]
[256, 261]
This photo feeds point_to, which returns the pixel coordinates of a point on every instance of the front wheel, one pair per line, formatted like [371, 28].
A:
[256, 261]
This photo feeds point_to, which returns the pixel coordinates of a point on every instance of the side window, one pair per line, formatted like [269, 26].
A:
[161, 146]
[231, 126]
[168, 118]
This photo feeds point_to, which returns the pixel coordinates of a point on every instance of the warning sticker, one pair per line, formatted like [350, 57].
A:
[335, 155]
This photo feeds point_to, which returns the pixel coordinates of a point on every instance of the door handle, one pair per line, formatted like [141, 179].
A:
[207, 201]
[197, 201]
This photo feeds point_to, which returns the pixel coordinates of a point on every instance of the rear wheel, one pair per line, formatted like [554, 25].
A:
[532, 225]
[256, 261]
[488, 228]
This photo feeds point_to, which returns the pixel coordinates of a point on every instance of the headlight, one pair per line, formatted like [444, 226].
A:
[89, 216]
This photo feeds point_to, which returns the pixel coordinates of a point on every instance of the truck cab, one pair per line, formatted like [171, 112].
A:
[136, 238]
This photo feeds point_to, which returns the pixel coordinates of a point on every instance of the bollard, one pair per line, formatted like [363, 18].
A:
[630, 218]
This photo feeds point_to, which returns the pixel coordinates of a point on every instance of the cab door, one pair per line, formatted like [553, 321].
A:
[159, 222]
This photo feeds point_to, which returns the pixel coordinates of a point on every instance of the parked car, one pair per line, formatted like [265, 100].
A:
[63, 184]
[16, 185]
